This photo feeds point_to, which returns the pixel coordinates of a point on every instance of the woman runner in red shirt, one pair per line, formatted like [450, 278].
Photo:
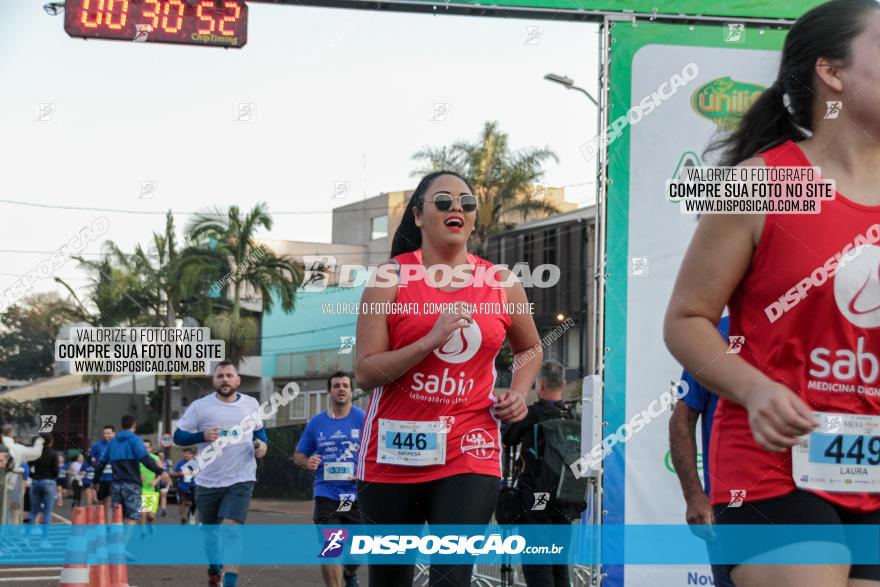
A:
[803, 291]
[432, 449]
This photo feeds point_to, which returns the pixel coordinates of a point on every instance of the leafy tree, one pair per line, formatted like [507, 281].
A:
[29, 330]
[225, 252]
[114, 296]
[166, 295]
[18, 413]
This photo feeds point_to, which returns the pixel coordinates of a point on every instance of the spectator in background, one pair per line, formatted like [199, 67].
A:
[698, 404]
[26, 493]
[44, 488]
[16, 484]
[61, 481]
[149, 492]
[185, 486]
[5, 459]
[87, 472]
[533, 503]
[76, 479]
[164, 487]
[105, 474]
[6, 466]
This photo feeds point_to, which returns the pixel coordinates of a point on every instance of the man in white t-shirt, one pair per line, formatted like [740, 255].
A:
[229, 431]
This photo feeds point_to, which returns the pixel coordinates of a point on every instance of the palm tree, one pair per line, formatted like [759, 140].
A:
[503, 180]
[162, 272]
[163, 291]
[116, 297]
[226, 252]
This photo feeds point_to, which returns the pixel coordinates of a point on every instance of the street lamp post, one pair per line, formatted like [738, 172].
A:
[569, 85]
[53, 8]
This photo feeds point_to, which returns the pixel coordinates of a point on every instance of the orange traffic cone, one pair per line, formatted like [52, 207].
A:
[91, 536]
[100, 575]
[75, 572]
[116, 550]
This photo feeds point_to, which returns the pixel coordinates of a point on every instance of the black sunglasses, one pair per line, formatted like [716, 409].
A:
[443, 201]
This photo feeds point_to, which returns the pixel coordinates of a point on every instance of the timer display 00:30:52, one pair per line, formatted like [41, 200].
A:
[220, 23]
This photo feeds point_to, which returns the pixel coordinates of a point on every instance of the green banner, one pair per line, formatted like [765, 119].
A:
[733, 73]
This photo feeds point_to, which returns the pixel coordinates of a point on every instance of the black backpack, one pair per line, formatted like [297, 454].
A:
[556, 445]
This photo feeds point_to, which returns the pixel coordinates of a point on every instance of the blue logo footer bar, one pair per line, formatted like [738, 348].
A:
[408, 544]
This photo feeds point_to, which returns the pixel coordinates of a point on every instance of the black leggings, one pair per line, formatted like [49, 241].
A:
[460, 499]
[802, 507]
[77, 493]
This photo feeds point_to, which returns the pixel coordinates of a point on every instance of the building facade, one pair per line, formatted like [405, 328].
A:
[307, 345]
[370, 224]
[565, 241]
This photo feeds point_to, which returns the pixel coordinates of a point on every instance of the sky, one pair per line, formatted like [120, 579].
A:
[337, 95]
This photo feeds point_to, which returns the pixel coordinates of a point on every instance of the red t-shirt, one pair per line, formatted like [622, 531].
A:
[453, 384]
[817, 344]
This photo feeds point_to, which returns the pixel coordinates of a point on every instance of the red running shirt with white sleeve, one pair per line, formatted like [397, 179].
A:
[822, 342]
[453, 384]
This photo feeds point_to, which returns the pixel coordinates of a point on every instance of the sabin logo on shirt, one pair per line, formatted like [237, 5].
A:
[857, 296]
[857, 287]
[461, 345]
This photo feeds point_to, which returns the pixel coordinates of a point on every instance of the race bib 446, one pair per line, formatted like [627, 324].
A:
[409, 443]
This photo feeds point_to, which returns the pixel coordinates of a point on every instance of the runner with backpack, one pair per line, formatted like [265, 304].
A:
[545, 490]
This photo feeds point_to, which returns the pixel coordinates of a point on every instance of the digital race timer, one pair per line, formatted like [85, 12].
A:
[192, 22]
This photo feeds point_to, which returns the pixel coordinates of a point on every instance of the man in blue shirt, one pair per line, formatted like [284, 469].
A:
[87, 471]
[328, 448]
[125, 453]
[698, 403]
[105, 476]
[184, 486]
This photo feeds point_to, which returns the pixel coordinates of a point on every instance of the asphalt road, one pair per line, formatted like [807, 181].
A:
[262, 512]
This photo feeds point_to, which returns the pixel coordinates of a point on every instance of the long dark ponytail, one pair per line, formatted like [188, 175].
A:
[408, 237]
[825, 31]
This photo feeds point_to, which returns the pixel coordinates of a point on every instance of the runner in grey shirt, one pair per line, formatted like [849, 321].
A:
[228, 429]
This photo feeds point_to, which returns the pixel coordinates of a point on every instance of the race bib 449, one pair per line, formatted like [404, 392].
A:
[842, 455]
